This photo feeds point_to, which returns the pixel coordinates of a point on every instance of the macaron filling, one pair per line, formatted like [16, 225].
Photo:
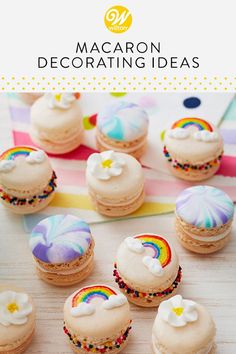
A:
[186, 166]
[149, 296]
[31, 200]
[101, 348]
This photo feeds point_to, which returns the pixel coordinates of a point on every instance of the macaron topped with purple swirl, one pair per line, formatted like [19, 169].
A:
[63, 249]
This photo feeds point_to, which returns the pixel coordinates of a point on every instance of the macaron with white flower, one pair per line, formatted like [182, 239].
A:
[27, 180]
[115, 182]
[147, 269]
[183, 327]
[193, 149]
[56, 122]
[17, 320]
[97, 319]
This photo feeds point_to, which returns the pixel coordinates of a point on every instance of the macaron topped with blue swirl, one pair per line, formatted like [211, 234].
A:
[123, 127]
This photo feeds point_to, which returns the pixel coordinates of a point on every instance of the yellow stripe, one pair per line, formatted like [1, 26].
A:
[64, 200]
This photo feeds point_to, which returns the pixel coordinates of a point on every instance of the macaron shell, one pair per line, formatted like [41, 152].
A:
[188, 339]
[102, 324]
[26, 177]
[131, 268]
[12, 333]
[191, 150]
[56, 121]
[127, 184]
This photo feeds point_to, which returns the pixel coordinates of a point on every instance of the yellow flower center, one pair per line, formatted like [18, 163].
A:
[107, 163]
[13, 307]
[178, 310]
[58, 97]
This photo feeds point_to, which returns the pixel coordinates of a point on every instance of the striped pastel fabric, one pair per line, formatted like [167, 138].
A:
[161, 188]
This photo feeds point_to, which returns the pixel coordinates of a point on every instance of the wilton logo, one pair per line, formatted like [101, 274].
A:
[118, 19]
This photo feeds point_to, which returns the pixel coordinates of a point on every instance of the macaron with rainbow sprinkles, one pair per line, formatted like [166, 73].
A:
[63, 249]
[27, 180]
[193, 149]
[123, 127]
[147, 269]
[204, 217]
[97, 319]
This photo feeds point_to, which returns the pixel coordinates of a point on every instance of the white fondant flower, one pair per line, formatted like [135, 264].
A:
[177, 311]
[7, 165]
[114, 301]
[83, 309]
[178, 133]
[154, 266]
[105, 165]
[134, 244]
[36, 157]
[60, 100]
[14, 308]
[205, 135]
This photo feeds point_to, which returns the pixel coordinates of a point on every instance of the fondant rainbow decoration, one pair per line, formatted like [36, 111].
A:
[15, 152]
[92, 292]
[200, 124]
[159, 246]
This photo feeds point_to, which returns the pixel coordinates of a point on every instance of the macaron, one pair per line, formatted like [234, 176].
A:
[56, 123]
[27, 180]
[97, 320]
[17, 320]
[193, 149]
[63, 249]
[29, 97]
[123, 127]
[183, 327]
[147, 269]
[204, 218]
[115, 183]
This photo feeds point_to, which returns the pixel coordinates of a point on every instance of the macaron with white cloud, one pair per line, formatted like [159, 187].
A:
[147, 269]
[115, 182]
[204, 217]
[193, 148]
[17, 320]
[57, 123]
[183, 327]
[27, 180]
[123, 127]
[97, 319]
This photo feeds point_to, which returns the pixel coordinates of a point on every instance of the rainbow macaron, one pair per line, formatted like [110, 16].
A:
[123, 127]
[57, 123]
[63, 249]
[147, 269]
[97, 320]
[193, 149]
[183, 327]
[115, 182]
[27, 180]
[17, 320]
[204, 218]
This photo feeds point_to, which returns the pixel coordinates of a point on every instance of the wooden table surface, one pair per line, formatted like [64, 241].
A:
[209, 280]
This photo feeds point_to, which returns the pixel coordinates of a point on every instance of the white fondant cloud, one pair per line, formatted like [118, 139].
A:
[205, 135]
[178, 133]
[83, 309]
[7, 165]
[134, 244]
[36, 157]
[114, 301]
[153, 265]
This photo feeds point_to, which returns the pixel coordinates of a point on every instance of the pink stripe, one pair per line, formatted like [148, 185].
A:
[173, 188]
[228, 166]
[81, 153]
[71, 177]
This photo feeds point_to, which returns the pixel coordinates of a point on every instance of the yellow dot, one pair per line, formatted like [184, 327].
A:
[178, 310]
[107, 163]
[13, 307]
